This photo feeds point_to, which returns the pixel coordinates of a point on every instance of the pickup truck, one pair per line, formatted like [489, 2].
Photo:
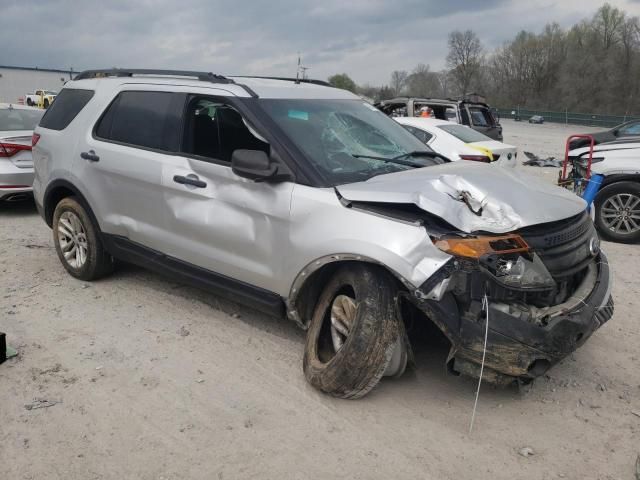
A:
[40, 98]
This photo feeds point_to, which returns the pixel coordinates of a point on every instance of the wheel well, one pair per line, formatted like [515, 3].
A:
[59, 190]
[617, 178]
[302, 301]
[52, 199]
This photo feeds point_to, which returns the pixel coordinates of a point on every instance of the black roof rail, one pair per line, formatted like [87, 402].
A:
[288, 79]
[129, 72]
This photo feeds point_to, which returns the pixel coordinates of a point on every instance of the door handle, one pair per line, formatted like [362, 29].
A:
[90, 156]
[190, 179]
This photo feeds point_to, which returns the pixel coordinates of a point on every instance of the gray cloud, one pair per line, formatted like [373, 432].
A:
[365, 38]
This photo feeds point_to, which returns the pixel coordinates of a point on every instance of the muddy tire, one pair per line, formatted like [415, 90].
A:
[78, 243]
[617, 212]
[353, 369]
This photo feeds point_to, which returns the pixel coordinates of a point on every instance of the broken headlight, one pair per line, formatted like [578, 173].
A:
[507, 258]
[519, 272]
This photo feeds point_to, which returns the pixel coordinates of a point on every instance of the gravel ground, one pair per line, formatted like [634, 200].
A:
[137, 377]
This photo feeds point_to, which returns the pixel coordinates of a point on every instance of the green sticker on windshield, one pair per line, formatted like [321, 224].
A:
[298, 115]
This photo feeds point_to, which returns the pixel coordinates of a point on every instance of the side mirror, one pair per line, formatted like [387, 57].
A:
[256, 165]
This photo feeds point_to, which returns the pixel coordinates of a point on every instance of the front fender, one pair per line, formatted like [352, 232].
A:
[323, 231]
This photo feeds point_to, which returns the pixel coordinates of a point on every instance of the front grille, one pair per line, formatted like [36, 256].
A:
[565, 246]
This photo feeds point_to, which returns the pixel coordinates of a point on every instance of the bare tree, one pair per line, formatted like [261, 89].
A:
[398, 81]
[422, 82]
[607, 22]
[464, 58]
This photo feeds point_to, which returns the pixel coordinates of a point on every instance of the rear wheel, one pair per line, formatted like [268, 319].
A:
[77, 242]
[355, 337]
[617, 212]
[46, 103]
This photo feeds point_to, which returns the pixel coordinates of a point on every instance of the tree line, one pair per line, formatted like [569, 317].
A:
[594, 66]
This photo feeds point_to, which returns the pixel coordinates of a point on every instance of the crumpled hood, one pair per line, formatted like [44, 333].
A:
[471, 196]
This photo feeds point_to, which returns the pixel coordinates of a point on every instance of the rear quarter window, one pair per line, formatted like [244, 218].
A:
[143, 119]
[66, 106]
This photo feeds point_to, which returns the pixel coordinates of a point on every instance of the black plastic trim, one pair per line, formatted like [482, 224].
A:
[130, 72]
[234, 290]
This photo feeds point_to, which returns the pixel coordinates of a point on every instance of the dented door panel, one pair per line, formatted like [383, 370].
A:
[232, 226]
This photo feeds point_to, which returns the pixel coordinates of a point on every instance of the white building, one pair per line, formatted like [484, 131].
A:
[16, 82]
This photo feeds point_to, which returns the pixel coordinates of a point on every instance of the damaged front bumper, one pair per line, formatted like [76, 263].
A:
[523, 341]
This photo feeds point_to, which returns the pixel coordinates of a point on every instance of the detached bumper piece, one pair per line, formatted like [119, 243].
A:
[6, 352]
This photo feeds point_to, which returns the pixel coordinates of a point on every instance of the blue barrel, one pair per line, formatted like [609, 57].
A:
[592, 189]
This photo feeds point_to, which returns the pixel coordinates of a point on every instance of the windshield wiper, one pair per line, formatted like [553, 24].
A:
[416, 153]
[397, 160]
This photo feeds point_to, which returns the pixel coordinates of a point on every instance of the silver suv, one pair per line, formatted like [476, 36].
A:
[304, 201]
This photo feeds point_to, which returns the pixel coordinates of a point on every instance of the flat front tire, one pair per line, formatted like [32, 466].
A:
[78, 243]
[353, 333]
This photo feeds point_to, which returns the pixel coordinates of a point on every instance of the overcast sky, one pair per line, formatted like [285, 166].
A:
[365, 38]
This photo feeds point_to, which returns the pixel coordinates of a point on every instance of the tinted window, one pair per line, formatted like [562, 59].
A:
[68, 104]
[215, 130]
[481, 117]
[419, 134]
[145, 119]
[19, 119]
[466, 134]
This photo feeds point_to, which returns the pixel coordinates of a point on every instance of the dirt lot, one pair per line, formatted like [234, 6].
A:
[153, 380]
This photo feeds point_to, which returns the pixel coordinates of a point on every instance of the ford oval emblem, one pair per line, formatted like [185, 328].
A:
[594, 246]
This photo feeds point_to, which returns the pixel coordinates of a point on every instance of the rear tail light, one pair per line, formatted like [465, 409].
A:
[476, 158]
[10, 149]
[34, 139]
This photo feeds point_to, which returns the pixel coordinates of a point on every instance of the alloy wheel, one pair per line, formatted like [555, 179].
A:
[72, 239]
[621, 213]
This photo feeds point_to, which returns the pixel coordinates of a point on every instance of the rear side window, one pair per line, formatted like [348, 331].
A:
[65, 108]
[143, 119]
[421, 135]
[464, 133]
[481, 117]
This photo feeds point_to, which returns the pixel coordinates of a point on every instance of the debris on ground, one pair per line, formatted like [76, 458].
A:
[6, 352]
[638, 467]
[41, 403]
[527, 451]
[636, 413]
[535, 161]
[183, 332]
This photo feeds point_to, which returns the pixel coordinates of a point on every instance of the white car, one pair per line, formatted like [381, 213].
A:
[459, 142]
[617, 203]
[16, 163]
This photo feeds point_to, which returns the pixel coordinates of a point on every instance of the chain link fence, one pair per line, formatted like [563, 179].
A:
[566, 117]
